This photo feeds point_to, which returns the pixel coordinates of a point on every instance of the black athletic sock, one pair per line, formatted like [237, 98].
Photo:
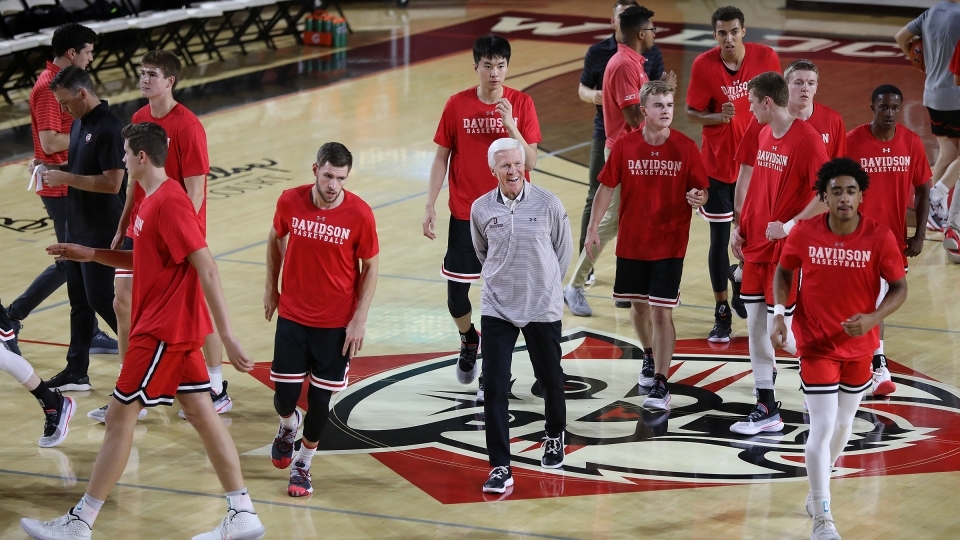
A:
[766, 396]
[48, 399]
[722, 309]
[471, 335]
[648, 351]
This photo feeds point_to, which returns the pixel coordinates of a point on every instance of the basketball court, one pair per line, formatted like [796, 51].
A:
[404, 455]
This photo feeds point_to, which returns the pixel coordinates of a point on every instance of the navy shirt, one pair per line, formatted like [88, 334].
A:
[598, 55]
[95, 146]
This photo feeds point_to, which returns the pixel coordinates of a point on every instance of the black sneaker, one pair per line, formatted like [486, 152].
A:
[467, 366]
[621, 304]
[480, 390]
[647, 371]
[499, 480]
[721, 326]
[281, 451]
[736, 302]
[760, 419]
[9, 331]
[552, 452]
[103, 344]
[67, 382]
[57, 425]
[659, 396]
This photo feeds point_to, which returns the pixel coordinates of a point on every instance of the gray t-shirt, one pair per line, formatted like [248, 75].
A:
[939, 27]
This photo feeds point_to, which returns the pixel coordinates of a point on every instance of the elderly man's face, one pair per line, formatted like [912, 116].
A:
[508, 168]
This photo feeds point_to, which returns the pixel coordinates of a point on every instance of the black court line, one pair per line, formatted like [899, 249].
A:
[314, 508]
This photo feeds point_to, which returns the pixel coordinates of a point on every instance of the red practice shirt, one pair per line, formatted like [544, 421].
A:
[827, 122]
[712, 85]
[622, 79]
[321, 267]
[46, 114]
[955, 60]
[841, 278]
[654, 214]
[186, 153]
[168, 302]
[784, 173]
[895, 168]
[468, 127]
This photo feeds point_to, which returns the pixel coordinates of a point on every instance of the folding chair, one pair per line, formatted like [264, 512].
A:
[199, 18]
[115, 40]
[18, 73]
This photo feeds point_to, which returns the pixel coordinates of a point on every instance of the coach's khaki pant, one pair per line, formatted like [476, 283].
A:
[607, 230]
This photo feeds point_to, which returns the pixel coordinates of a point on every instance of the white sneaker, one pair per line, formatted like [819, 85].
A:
[577, 303]
[236, 526]
[759, 419]
[100, 415]
[591, 280]
[221, 402]
[824, 528]
[810, 503]
[882, 385]
[57, 425]
[479, 398]
[65, 526]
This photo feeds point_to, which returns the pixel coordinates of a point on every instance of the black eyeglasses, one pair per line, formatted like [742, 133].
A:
[654, 29]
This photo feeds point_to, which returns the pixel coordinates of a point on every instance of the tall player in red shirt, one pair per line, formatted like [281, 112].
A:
[661, 176]
[323, 228]
[896, 161]
[188, 164]
[843, 255]
[169, 320]
[470, 122]
[717, 100]
[777, 194]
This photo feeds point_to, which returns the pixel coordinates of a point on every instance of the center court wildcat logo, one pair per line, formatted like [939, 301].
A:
[412, 416]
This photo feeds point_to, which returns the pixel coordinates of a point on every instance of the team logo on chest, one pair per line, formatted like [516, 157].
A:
[838, 256]
[317, 230]
[88, 137]
[883, 163]
[483, 126]
[735, 91]
[408, 412]
[137, 226]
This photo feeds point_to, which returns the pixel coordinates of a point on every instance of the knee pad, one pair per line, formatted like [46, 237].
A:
[285, 398]
[15, 365]
[458, 298]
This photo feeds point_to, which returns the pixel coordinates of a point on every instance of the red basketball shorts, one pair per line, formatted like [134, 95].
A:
[757, 285]
[820, 375]
[154, 371]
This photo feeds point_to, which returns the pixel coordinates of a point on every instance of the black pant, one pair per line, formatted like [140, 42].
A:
[90, 288]
[543, 345]
[596, 165]
[55, 275]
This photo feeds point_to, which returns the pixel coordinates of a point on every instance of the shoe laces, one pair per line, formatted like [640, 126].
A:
[824, 523]
[51, 423]
[552, 445]
[648, 364]
[759, 411]
[579, 297]
[300, 473]
[499, 472]
[658, 391]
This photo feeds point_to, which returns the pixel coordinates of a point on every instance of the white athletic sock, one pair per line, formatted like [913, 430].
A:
[761, 350]
[289, 422]
[738, 273]
[938, 192]
[239, 500]
[15, 365]
[847, 405]
[87, 509]
[306, 454]
[216, 379]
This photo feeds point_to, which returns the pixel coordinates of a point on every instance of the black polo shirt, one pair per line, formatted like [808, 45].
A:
[95, 146]
[598, 55]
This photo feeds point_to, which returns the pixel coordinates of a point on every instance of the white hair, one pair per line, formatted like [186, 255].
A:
[503, 145]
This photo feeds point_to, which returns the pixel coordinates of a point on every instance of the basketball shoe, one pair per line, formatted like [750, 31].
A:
[735, 301]
[57, 425]
[67, 526]
[499, 480]
[659, 396]
[552, 452]
[647, 371]
[479, 398]
[236, 526]
[221, 402]
[951, 243]
[576, 301]
[722, 325]
[66, 382]
[760, 419]
[100, 415]
[882, 384]
[299, 485]
[103, 344]
[824, 528]
[281, 453]
[467, 365]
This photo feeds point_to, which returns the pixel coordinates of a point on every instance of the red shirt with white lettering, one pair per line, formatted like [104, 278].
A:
[654, 180]
[955, 60]
[46, 114]
[321, 266]
[712, 85]
[825, 120]
[841, 277]
[168, 302]
[468, 127]
[186, 153]
[622, 79]
[895, 167]
[781, 186]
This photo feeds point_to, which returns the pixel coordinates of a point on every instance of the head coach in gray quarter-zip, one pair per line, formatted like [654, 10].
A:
[522, 237]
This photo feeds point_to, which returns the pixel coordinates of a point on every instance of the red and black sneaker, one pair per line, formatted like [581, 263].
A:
[281, 453]
[299, 485]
